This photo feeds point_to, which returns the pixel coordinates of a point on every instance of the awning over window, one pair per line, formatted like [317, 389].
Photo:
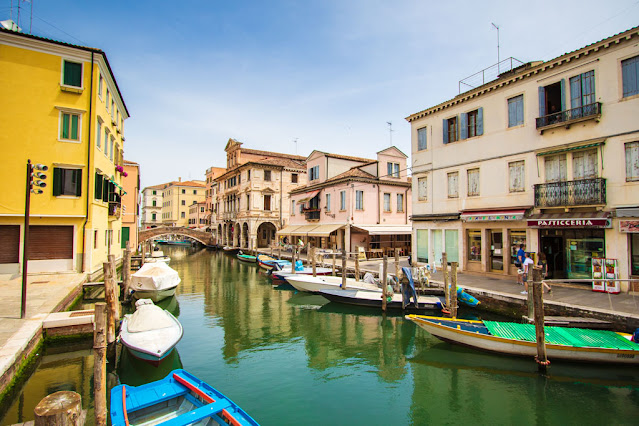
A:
[571, 147]
[570, 220]
[305, 199]
[288, 230]
[385, 229]
[628, 212]
[324, 230]
[493, 215]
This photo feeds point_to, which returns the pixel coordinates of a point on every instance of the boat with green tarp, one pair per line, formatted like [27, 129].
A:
[571, 344]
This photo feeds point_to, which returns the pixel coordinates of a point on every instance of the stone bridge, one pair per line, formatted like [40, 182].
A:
[204, 237]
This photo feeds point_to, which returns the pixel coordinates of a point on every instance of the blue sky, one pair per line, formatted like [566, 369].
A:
[328, 73]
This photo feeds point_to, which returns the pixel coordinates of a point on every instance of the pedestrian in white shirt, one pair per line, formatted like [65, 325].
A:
[528, 262]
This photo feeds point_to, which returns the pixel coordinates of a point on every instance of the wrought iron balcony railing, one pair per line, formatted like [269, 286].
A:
[312, 214]
[115, 208]
[570, 115]
[571, 193]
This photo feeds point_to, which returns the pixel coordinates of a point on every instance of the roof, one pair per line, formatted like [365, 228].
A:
[343, 157]
[525, 72]
[130, 163]
[272, 154]
[354, 172]
[75, 46]
[187, 183]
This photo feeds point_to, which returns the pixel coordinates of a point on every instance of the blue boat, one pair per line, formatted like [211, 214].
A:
[178, 399]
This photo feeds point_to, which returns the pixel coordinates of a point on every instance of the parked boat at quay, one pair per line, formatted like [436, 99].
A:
[246, 258]
[327, 282]
[179, 398]
[268, 262]
[374, 299]
[568, 344]
[155, 281]
[150, 333]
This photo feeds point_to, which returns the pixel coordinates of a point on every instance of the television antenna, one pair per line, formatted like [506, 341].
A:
[390, 131]
[295, 142]
[497, 28]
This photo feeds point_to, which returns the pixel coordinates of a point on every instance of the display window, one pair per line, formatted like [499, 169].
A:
[474, 245]
[634, 254]
[516, 239]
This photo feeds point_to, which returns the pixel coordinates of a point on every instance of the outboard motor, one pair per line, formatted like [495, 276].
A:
[635, 336]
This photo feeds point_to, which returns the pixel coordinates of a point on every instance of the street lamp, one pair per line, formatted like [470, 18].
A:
[35, 183]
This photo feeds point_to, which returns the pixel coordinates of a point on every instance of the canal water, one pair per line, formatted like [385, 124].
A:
[293, 358]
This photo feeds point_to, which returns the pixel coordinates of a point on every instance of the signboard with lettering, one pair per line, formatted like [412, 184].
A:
[570, 223]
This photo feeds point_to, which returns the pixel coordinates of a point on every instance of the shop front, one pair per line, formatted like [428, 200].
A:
[570, 241]
[629, 227]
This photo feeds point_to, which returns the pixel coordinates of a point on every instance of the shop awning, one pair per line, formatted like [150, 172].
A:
[628, 212]
[287, 230]
[570, 220]
[492, 215]
[324, 230]
[305, 199]
[570, 147]
[385, 229]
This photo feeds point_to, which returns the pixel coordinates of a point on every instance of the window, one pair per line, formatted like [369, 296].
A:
[267, 175]
[450, 130]
[422, 189]
[516, 111]
[634, 253]
[184, 202]
[248, 174]
[267, 202]
[328, 202]
[184, 191]
[551, 102]
[400, 203]
[69, 126]
[516, 176]
[293, 177]
[422, 245]
[98, 134]
[421, 139]
[342, 200]
[584, 164]
[111, 148]
[359, 200]
[108, 94]
[100, 84]
[154, 203]
[67, 182]
[632, 161]
[112, 106]
[293, 207]
[183, 215]
[555, 168]
[95, 239]
[392, 170]
[473, 182]
[474, 245]
[195, 192]
[387, 207]
[248, 201]
[201, 209]
[471, 124]
[154, 192]
[453, 184]
[630, 76]
[313, 173]
[72, 74]
[106, 141]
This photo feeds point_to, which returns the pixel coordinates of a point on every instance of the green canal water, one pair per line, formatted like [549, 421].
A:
[293, 358]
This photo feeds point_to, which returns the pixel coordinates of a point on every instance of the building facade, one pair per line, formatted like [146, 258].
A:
[253, 195]
[353, 203]
[211, 198]
[177, 197]
[130, 204]
[62, 109]
[152, 201]
[546, 155]
[197, 216]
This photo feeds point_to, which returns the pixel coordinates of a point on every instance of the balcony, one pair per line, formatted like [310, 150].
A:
[115, 209]
[312, 214]
[571, 193]
[571, 116]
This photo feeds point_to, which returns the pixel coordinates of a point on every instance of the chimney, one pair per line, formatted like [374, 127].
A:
[180, 179]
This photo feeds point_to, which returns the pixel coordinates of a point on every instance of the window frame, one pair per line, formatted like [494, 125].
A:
[400, 202]
[328, 203]
[59, 185]
[456, 186]
[469, 172]
[387, 202]
[342, 201]
[359, 200]
[422, 196]
[63, 74]
[511, 166]
[422, 143]
[267, 176]
[519, 108]
[71, 113]
[313, 173]
[634, 145]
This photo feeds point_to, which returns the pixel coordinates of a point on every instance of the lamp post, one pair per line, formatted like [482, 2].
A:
[33, 171]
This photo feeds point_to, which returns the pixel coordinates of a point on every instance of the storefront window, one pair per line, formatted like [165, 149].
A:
[474, 245]
[634, 257]
[516, 238]
[422, 245]
[452, 246]
[437, 246]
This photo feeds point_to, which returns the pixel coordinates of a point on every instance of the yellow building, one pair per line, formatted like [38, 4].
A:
[61, 108]
[177, 197]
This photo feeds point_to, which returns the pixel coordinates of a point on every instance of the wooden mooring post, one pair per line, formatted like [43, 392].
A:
[99, 363]
[62, 408]
[334, 262]
[311, 250]
[143, 254]
[398, 269]
[110, 299]
[343, 268]
[453, 289]
[537, 291]
[384, 282]
[126, 271]
[445, 276]
[356, 268]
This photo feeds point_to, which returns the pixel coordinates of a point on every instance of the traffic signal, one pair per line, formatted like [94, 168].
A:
[37, 177]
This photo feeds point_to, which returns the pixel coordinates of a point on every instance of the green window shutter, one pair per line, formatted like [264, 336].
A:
[57, 181]
[65, 126]
[72, 74]
[78, 182]
[98, 186]
[105, 190]
[74, 127]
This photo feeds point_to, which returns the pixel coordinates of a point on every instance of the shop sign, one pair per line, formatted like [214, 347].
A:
[485, 218]
[630, 226]
[569, 223]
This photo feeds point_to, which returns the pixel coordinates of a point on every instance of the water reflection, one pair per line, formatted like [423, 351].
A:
[133, 371]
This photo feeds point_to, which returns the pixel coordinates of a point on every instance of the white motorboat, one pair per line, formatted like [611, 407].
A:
[155, 281]
[325, 282]
[150, 333]
[157, 256]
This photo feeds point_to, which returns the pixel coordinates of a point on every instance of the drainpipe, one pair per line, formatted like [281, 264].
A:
[281, 195]
[89, 145]
[379, 212]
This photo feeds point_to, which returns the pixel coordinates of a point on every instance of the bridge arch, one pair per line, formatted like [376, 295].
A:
[204, 237]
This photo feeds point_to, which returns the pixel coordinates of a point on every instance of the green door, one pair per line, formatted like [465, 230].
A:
[125, 236]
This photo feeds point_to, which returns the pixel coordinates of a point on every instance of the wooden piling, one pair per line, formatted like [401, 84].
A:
[311, 250]
[334, 262]
[529, 296]
[99, 363]
[63, 408]
[356, 268]
[293, 254]
[453, 289]
[384, 283]
[445, 276]
[143, 258]
[344, 269]
[398, 269]
[537, 290]
[126, 270]
[109, 297]
[279, 252]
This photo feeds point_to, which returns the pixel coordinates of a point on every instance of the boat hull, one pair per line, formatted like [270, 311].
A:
[246, 259]
[155, 295]
[316, 284]
[374, 299]
[283, 274]
[490, 343]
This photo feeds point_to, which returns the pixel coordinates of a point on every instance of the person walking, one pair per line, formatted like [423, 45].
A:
[544, 269]
[526, 267]
[519, 261]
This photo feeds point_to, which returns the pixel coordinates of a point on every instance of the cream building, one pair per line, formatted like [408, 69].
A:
[176, 199]
[152, 200]
[253, 196]
[211, 198]
[546, 155]
[197, 215]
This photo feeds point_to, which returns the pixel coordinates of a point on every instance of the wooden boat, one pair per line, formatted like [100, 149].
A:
[178, 399]
[157, 256]
[313, 284]
[230, 250]
[246, 258]
[179, 243]
[268, 262]
[374, 299]
[155, 281]
[150, 333]
[569, 344]
[281, 272]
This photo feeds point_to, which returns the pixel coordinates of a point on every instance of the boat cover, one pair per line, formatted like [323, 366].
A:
[155, 276]
[575, 337]
[147, 317]
[409, 291]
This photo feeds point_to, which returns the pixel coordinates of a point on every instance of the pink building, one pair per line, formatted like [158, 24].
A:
[352, 202]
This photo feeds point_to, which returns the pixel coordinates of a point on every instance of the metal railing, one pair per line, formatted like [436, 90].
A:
[571, 193]
[570, 115]
[312, 214]
[488, 74]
